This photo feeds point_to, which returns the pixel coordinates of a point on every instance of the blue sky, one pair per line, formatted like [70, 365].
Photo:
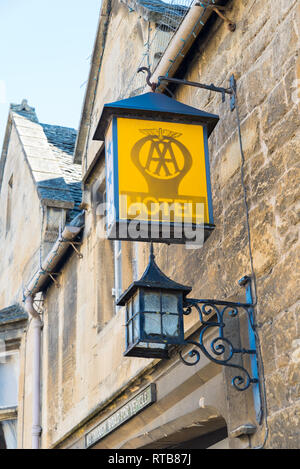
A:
[45, 52]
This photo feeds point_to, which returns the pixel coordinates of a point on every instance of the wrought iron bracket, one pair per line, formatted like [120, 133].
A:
[221, 350]
[231, 90]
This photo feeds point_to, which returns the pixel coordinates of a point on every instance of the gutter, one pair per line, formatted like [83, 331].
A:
[47, 268]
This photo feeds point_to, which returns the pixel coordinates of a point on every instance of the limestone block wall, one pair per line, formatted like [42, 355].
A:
[263, 54]
[83, 339]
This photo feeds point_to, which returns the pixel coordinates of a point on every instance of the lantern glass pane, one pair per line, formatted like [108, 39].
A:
[129, 326]
[152, 301]
[152, 325]
[170, 325]
[136, 328]
[129, 333]
[135, 303]
[135, 310]
[129, 309]
[169, 303]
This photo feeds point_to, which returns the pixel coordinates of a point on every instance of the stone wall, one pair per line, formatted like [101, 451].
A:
[262, 54]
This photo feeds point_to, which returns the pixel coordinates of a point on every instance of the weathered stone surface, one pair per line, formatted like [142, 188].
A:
[258, 82]
[264, 181]
[262, 223]
[230, 160]
[277, 391]
[274, 292]
[283, 131]
[250, 130]
[285, 331]
[291, 152]
[283, 427]
[288, 191]
[267, 343]
[274, 108]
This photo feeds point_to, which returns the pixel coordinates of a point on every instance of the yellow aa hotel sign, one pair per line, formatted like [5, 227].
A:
[157, 179]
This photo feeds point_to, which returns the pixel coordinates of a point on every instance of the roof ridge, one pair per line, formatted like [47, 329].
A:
[60, 126]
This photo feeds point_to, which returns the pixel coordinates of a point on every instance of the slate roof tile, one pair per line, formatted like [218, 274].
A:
[50, 154]
[62, 143]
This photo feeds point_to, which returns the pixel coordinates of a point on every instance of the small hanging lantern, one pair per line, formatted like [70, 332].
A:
[157, 169]
[155, 307]
[154, 313]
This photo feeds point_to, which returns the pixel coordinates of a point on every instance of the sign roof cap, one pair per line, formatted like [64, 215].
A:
[155, 106]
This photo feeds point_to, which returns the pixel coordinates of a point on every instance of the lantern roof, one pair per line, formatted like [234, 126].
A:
[153, 277]
[154, 106]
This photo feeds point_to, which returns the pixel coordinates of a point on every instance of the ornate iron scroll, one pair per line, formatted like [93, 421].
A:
[222, 351]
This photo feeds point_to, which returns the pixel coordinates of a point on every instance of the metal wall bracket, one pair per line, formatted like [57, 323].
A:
[73, 244]
[221, 350]
[231, 90]
[52, 276]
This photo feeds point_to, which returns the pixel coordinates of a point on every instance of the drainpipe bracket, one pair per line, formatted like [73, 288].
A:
[73, 244]
[36, 430]
[51, 275]
[217, 9]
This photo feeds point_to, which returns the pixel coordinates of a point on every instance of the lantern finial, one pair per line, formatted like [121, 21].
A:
[152, 256]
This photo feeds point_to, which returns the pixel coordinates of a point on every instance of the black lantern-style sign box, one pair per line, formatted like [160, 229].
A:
[154, 313]
[157, 169]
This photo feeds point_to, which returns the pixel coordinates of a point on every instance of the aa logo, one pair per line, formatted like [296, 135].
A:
[162, 159]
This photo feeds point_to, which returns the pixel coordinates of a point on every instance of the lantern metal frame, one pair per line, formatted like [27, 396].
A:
[212, 316]
[139, 317]
[155, 281]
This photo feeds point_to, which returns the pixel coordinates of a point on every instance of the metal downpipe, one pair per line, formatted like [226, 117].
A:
[36, 397]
